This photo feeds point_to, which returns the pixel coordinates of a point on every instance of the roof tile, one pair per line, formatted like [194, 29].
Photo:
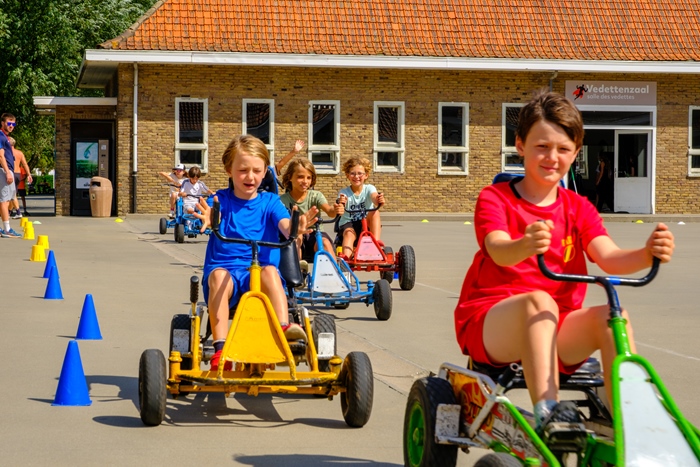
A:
[553, 29]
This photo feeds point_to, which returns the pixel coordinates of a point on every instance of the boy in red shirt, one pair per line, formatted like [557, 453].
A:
[508, 311]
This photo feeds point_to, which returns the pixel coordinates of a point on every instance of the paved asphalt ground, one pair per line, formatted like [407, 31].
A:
[139, 279]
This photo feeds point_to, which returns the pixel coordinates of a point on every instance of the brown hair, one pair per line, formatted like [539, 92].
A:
[248, 144]
[194, 172]
[292, 167]
[554, 108]
[354, 161]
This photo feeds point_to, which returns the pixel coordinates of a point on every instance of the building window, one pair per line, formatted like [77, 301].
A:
[389, 136]
[324, 136]
[259, 121]
[511, 160]
[694, 142]
[453, 138]
[191, 139]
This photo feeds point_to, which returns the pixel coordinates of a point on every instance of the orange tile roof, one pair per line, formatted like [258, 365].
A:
[533, 29]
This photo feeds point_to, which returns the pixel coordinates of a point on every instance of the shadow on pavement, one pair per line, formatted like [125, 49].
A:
[305, 459]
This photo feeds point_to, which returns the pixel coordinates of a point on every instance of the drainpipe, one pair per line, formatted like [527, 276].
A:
[134, 139]
[551, 80]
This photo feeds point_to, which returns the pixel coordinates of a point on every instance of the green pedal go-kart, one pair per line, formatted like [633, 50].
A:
[464, 408]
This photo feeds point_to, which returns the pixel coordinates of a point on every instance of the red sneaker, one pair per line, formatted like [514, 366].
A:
[214, 362]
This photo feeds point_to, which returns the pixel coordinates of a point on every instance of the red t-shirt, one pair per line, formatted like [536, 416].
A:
[499, 207]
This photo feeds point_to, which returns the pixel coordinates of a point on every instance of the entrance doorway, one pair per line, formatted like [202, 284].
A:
[91, 154]
[632, 171]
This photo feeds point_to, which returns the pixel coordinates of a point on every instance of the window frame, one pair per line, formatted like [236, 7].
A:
[390, 147]
[464, 149]
[692, 171]
[244, 123]
[204, 146]
[334, 149]
[507, 151]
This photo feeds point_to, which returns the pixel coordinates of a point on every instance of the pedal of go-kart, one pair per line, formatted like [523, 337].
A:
[565, 436]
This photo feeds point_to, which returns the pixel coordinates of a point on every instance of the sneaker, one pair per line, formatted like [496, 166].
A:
[214, 362]
[12, 234]
[293, 332]
[304, 266]
[172, 214]
[563, 429]
[17, 215]
[4, 234]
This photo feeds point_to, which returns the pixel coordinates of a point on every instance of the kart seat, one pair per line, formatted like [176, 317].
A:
[289, 266]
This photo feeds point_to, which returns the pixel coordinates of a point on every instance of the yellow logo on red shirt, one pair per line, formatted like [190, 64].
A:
[569, 252]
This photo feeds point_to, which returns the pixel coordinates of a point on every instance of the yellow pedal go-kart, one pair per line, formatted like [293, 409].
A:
[263, 360]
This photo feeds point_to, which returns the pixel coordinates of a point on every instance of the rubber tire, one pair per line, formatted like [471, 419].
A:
[498, 459]
[419, 422]
[152, 387]
[324, 323]
[341, 306]
[382, 300]
[181, 322]
[163, 226]
[388, 276]
[407, 267]
[358, 379]
[179, 233]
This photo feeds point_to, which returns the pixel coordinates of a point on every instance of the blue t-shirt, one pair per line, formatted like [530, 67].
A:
[256, 219]
[9, 155]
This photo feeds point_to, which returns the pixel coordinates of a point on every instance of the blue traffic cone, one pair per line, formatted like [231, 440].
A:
[50, 263]
[88, 328]
[53, 287]
[72, 386]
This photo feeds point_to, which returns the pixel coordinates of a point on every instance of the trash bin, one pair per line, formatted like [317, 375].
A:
[100, 197]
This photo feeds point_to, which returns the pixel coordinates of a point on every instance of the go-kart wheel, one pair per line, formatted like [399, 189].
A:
[152, 387]
[419, 446]
[407, 267]
[163, 225]
[358, 379]
[179, 233]
[180, 337]
[324, 323]
[382, 300]
[498, 459]
[341, 306]
[388, 276]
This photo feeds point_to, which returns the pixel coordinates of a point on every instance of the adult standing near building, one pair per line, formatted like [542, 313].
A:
[7, 180]
[20, 163]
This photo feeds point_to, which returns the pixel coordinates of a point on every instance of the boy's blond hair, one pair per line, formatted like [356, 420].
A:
[352, 162]
[292, 167]
[248, 144]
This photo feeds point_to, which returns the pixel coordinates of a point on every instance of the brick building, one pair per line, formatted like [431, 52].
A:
[427, 90]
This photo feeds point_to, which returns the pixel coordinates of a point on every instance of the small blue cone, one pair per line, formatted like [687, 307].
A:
[88, 328]
[50, 263]
[396, 274]
[72, 386]
[53, 287]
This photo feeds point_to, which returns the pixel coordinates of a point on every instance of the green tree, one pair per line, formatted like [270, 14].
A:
[44, 42]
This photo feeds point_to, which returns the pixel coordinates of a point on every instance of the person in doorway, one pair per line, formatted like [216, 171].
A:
[22, 173]
[604, 184]
[7, 177]
[507, 310]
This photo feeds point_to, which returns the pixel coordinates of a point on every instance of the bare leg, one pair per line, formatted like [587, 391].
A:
[220, 291]
[349, 237]
[585, 331]
[375, 224]
[524, 327]
[271, 285]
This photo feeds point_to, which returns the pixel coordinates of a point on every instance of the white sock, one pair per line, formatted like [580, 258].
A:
[6, 225]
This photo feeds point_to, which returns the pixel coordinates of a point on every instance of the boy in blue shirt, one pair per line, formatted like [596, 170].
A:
[245, 213]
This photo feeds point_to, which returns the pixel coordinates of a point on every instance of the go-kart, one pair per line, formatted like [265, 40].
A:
[167, 223]
[332, 283]
[185, 223]
[465, 408]
[371, 255]
[256, 346]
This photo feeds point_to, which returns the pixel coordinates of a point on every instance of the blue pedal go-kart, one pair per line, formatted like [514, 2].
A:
[468, 407]
[332, 283]
[167, 223]
[184, 223]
